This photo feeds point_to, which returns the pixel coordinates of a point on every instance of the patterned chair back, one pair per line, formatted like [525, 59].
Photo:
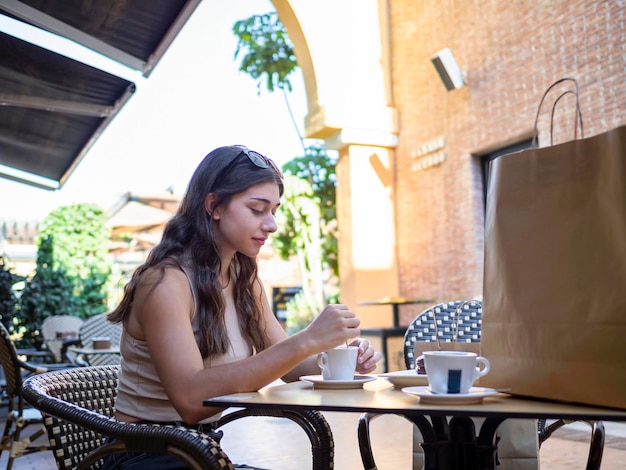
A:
[458, 321]
[11, 366]
[56, 329]
[94, 389]
[98, 325]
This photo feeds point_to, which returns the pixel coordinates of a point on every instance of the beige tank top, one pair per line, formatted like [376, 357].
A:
[140, 393]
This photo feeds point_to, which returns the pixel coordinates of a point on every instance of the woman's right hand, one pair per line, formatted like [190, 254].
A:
[335, 325]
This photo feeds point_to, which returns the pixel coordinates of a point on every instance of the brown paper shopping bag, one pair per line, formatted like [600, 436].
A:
[554, 300]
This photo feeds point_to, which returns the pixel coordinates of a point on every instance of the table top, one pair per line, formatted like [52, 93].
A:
[379, 396]
[31, 352]
[396, 301]
[86, 351]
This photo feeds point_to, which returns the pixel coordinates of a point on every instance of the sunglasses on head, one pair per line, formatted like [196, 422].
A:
[259, 160]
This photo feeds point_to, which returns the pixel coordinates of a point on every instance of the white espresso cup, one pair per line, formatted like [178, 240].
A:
[454, 371]
[338, 363]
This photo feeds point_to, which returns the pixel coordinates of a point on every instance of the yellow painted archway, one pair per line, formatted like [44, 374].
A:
[342, 49]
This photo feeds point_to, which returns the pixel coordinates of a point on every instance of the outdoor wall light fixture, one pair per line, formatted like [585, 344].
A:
[448, 70]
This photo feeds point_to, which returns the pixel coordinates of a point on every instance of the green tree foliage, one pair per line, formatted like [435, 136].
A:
[50, 292]
[80, 246]
[8, 297]
[79, 240]
[307, 229]
[318, 169]
[269, 50]
[299, 224]
[72, 273]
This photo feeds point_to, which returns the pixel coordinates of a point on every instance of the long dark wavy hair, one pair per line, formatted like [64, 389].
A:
[188, 240]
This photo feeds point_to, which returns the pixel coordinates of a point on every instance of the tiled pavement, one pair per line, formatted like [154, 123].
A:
[280, 445]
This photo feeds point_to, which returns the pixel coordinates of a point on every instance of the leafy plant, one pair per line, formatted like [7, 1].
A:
[269, 50]
[307, 229]
[305, 233]
[299, 236]
[318, 168]
[80, 244]
[80, 239]
[299, 313]
[50, 292]
[72, 273]
[8, 297]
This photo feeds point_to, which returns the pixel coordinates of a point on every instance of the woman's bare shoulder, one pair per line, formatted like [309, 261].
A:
[163, 291]
[163, 279]
[162, 273]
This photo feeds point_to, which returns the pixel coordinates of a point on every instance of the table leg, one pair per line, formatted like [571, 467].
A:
[487, 443]
[445, 446]
[463, 439]
[456, 445]
[384, 352]
[439, 450]
[396, 315]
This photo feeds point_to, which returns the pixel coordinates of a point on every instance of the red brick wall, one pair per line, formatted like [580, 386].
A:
[511, 51]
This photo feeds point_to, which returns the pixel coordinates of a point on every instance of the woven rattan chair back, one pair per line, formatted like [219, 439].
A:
[78, 406]
[19, 416]
[10, 365]
[458, 321]
[99, 326]
[94, 390]
[56, 330]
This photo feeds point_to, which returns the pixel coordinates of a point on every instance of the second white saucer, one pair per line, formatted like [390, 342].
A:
[427, 397]
[319, 382]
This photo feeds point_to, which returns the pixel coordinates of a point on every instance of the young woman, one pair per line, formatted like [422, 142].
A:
[197, 322]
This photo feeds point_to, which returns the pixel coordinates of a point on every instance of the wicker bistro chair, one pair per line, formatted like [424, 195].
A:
[92, 327]
[450, 322]
[461, 321]
[78, 406]
[58, 331]
[19, 416]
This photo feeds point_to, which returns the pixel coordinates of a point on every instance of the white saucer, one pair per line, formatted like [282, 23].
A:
[319, 382]
[474, 397]
[405, 378]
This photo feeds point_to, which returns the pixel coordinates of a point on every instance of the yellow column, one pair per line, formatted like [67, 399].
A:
[365, 213]
[342, 48]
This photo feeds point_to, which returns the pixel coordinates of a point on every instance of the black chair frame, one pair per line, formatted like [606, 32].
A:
[19, 415]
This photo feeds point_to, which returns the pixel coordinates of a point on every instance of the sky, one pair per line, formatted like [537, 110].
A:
[194, 101]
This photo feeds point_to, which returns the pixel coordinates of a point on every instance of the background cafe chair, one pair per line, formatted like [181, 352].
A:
[78, 405]
[19, 416]
[461, 321]
[96, 326]
[58, 331]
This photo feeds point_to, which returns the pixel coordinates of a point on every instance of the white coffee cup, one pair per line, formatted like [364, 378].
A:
[338, 363]
[454, 371]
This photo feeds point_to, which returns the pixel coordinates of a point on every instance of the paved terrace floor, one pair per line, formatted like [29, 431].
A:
[280, 445]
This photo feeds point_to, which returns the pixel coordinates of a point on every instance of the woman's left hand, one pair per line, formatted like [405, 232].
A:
[367, 358]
